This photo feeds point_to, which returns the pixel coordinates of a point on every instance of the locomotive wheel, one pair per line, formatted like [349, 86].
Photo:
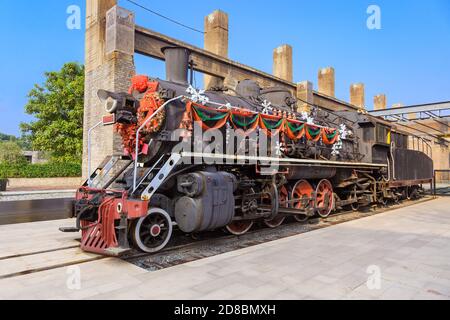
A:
[383, 201]
[283, 199]
[152, 233]
[413, 193]
[302, 191]
[355, 206]
[269, 201]
[240, 227]
[324, 198]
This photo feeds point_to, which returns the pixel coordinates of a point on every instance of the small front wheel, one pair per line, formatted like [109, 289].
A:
[152, 233]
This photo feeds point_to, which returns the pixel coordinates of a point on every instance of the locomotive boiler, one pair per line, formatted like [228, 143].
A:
[270, 161]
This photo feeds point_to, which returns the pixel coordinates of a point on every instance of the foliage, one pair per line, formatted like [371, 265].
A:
[57, 106]
[24, 141]
[7, 137]
[11, 153]
[47, 170]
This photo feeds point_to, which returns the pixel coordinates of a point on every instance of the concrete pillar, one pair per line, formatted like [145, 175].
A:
[216, 41]
[109, 65]
[282, 63]
[95, 32]
[305, 95]
[357, 97]
[379, 102]
[327, 81]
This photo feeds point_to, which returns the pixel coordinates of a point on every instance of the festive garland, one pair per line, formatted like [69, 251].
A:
[243, 125]
[293, 132]
[330, 137]
[270, 124]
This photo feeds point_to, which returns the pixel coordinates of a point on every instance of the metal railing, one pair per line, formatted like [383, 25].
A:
[420, 144]
[444, 182]
[89, 182]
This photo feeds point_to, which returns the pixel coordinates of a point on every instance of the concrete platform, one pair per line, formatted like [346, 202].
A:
[401, 254]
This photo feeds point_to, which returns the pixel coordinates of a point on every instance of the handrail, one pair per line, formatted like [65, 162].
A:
[89, 151]
[434, 191]
[136, 153]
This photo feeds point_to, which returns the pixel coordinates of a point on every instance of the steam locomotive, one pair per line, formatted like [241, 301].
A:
[164, 178]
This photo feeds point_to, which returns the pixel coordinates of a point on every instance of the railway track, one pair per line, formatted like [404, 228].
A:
[21, 211]
[214, 243]
[185, 249]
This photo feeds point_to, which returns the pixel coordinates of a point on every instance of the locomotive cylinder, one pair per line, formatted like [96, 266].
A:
[209, 201]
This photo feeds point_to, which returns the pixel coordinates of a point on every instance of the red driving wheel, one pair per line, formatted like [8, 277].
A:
[324, 198]
[302, 192]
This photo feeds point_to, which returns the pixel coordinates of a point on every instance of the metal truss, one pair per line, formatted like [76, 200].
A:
[416, 114]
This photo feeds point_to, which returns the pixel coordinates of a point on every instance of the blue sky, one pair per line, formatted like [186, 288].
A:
[408, 59]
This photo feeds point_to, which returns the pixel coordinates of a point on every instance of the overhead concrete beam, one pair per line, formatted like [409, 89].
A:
[150, 43]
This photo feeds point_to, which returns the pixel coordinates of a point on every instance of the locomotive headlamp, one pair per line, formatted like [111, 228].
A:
[122, 105]
[110, 99]
[115, 101]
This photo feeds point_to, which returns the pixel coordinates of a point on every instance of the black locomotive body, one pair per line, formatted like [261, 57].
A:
[324, 161]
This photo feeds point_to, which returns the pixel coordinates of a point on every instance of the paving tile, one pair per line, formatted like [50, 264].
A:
[412, 252]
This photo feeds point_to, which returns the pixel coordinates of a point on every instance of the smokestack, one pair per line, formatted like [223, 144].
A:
[177, 64]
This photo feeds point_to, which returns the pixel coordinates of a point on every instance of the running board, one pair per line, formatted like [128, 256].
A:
[253, 160]
[69, 229]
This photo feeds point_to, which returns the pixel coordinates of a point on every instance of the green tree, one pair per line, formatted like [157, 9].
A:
[24, 141]
[7, 137]
[57, 106]
[11, 153]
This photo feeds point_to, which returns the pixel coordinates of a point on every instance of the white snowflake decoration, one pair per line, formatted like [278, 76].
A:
[278, 148]
[343, 132]
[228, 134]
[306, 117]
[197, 96]
[336, 147]
[267, 107]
